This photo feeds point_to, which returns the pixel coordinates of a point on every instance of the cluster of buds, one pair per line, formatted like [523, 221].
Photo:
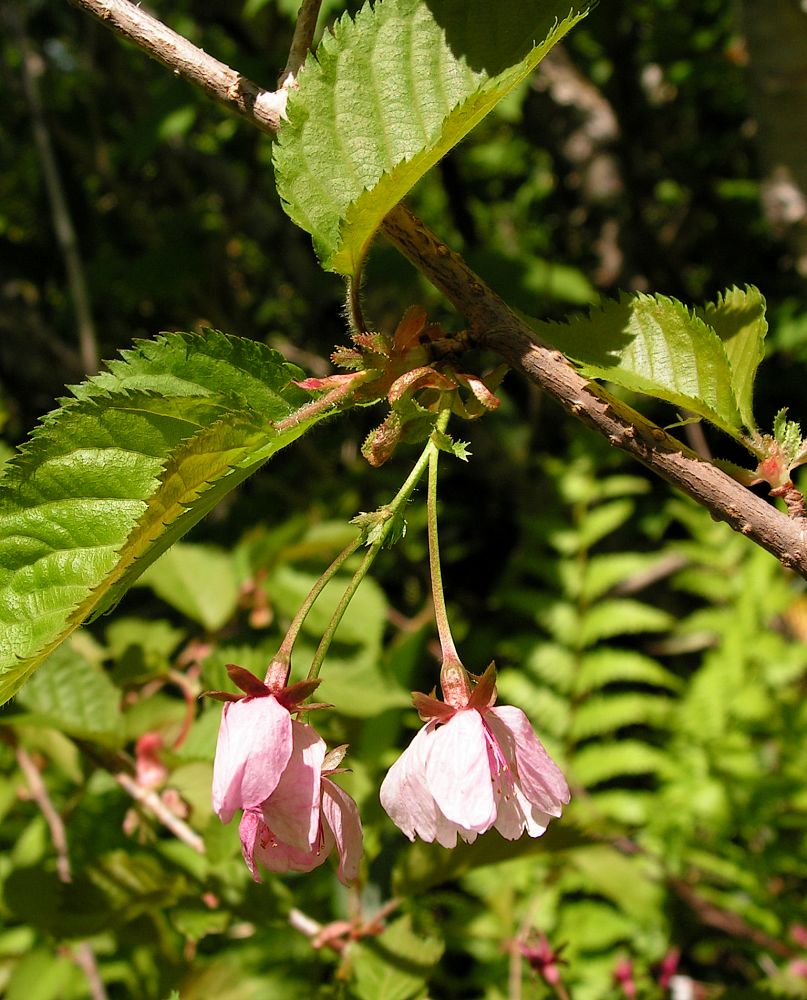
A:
[414, 370]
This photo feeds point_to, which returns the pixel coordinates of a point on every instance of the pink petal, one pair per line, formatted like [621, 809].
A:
[517, 815]
[341, 815]
[250, 830]
[458, 772]
[253, 748]
[259, 845]
[404, 793]
[538, 776]
[292, 810]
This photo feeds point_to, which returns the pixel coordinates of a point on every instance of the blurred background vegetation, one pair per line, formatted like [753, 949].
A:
[661, 658]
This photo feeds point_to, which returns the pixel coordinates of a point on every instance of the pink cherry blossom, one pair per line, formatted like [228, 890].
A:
[255, 738]
[473, 767]
[253, 749]
[291, 832]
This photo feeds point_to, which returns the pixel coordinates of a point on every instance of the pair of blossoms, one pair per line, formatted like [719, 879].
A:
[471, 767]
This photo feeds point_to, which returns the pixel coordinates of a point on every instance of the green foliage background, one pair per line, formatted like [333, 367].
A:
[661, 658]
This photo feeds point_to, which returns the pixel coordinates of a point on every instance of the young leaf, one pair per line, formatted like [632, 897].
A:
[388, 95]
[653, 345]
[738, 318]
[119, 472]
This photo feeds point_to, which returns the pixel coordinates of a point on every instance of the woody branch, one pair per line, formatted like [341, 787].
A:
[491, 323]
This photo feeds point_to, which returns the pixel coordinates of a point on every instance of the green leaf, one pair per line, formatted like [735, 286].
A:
[198, 580]
[395, 965]
[621, 616]
[603, 520]
[738, 318]
[422, 866]
[656, 346]
[594, 925]
[122, 470]
[604, 761]
[42, 975]
[607, 713]
[601, 667]
[75, 697]
[630, 882]
[388, 95]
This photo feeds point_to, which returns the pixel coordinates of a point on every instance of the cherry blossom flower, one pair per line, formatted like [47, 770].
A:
[290, 833]
[472, 767]
[255, 739]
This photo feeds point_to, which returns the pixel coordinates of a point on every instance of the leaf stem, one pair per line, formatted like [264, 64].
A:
[449, 650]
[392, 510]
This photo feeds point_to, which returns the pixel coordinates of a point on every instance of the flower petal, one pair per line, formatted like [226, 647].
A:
[538, 776]
[253, 748]
[458, 772]
[341, 815]
[292, 810]
[404, 793]
[259, 844]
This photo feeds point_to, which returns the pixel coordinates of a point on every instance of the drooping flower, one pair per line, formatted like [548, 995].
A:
[472, 767]
[255, 739]
[291, 834]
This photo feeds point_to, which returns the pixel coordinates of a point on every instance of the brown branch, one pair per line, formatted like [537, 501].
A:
[119, 765]
[301, 41]
[262, 108]
[490, 320]
[727, 922]
[151, 802]
[493, 324]
[39, 794]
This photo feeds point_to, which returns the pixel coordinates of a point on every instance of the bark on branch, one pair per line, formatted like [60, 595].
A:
[262, 108]
[490, 320]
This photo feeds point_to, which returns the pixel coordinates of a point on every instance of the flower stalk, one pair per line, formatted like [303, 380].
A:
[392, 511]
[451, 660]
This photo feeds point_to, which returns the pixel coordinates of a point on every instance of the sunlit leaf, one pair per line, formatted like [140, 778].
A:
[388, 95]
[656, 346]
[119, 472]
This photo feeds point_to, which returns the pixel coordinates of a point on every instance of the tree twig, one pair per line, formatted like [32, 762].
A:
[83, 954]
[39, 793]
[494, 325]
[491, 321]
[301, 41]
[262, 108]
[31, 68]
[151, 802]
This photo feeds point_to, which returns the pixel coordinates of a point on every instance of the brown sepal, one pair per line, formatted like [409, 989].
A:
[429, 708]
[251, 685]
[484, 692]
[221, 695]
[291, 697]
